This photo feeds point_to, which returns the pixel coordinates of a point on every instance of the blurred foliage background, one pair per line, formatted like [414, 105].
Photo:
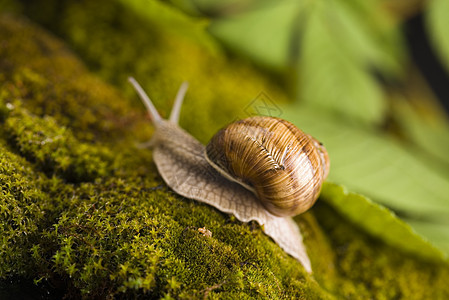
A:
[369, 78]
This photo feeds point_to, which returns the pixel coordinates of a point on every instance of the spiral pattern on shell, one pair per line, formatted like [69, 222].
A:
[282, 165]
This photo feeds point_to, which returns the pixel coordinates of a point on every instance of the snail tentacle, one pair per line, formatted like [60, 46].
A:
[152, 111]
[176, 110]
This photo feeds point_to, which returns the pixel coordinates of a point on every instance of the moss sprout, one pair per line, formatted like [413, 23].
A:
[53, 148]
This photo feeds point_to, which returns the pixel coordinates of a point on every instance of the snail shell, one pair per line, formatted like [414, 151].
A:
[213, 177]
[271, 157]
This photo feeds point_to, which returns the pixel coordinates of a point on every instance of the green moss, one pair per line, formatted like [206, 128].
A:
[127, 240]
[53, 148]
[49, 80]
[116, 230]
[370, 269]
[22, 210]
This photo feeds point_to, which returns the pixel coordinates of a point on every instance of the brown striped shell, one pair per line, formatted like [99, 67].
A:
[271, 157]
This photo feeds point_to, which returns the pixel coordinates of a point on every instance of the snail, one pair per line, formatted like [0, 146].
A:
[260, 168]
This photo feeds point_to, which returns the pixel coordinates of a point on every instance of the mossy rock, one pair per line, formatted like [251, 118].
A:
[85, 214]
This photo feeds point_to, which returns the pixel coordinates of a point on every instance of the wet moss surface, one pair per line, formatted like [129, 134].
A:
[84, 212]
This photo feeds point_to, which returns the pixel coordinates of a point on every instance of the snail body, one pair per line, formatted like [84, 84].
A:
[260, 168]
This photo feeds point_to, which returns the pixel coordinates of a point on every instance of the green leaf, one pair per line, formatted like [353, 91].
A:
[372, 23]
[437, 19]
[379, 221]
[173, 20]
[330, 74]
[333, 46]
[430, 133]
[375, 165]
[264, 34]
[363, 33]
[435, 232]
